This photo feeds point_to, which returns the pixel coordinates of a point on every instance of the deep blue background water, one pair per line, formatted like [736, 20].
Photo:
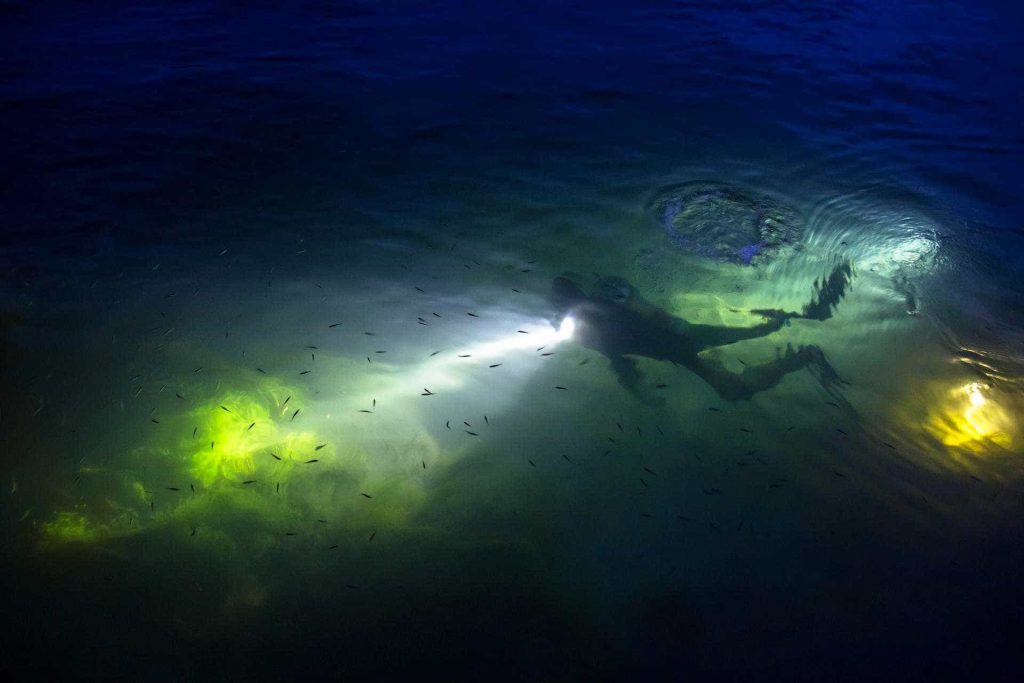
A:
[136, 134]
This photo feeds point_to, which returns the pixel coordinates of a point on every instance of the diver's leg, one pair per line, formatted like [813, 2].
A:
[631, 379]
[735, 386]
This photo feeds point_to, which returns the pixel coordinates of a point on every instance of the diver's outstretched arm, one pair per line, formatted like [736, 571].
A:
[705, 336]
[827, 295]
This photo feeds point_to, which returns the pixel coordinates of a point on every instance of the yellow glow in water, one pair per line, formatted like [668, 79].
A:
[69, 526]
[238, 427]
[971, 420]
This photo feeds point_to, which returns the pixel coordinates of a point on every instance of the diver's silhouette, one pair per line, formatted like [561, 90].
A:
[616, 322]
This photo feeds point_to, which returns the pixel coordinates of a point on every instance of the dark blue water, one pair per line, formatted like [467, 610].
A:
[214, 214]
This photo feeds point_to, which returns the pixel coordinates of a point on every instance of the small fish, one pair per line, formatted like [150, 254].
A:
[643, 482]
[660, 386]
[841, 431]
[712, 492]
[427, 392]
[436, 352]
[486, 421]
[612, 440]
[646, 515]
[180, 396]
[154, 421]
[365, 495]
[659, 430]
[333, 325]
[374, 403]
[289, 533]
[249, 481]
[470, 433]
[278, 488]
[194, 430]
[522, 332]
[566, 457]
[173, 488]
[532, 463]
[322, 521]
[304, 372]
[193, 532]
[744, 429]
[250, 426]
[319, 447]
[310, 462]
[372, 536]
[584, 361]
[294, 414]
[437, 315]
[286, 401]
[225, 409]
[472, 315]
[886, 443]
[549, 353]
[275, 456]
[838, 473]
[424, 463]
[831, 403]
[151, 506]
[683, 517]
[715, 410]
[466, 423]
[495, 365]
[514, 290]
[365, 411]
[333, 547]
[468, 355]
[261, 371]
[418, 289]
[193, 487]
[648, 470]
[369, 334]
[562, 388]
[380, 351]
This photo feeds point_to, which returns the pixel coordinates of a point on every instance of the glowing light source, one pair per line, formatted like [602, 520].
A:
[566, 329]
[971, 420]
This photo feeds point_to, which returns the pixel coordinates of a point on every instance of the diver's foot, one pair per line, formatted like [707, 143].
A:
[816, 361]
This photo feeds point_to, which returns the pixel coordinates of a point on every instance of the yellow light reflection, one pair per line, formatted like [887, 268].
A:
[971, 420]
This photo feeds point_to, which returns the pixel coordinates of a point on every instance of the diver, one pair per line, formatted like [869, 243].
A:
[617, 323]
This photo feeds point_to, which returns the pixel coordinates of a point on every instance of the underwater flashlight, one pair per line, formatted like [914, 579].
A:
[566, 329]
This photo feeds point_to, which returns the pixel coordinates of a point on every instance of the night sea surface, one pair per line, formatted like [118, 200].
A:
[290, 389]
